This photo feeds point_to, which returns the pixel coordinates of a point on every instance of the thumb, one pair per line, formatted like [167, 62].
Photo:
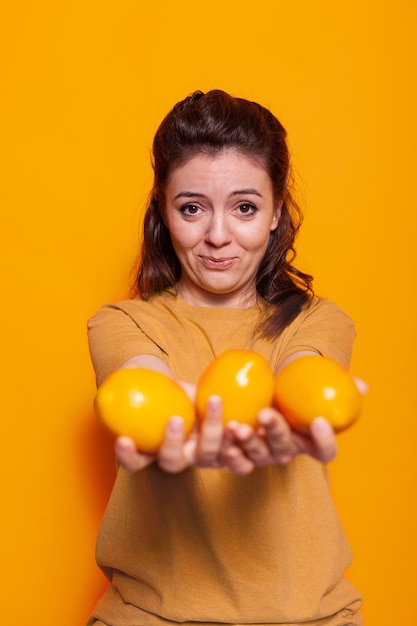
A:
[323, 436]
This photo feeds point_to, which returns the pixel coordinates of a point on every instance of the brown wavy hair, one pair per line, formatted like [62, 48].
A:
[209, 123]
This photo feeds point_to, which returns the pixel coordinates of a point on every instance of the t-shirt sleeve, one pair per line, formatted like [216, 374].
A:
[113, 337]
[324, 328]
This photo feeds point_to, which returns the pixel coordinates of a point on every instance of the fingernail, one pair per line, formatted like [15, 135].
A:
[244, 431]
[214, 400]
[175, 425]
[321, 425]
[264, 417]
[124, 442]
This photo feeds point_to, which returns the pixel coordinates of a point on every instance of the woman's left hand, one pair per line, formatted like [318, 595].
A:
[275, 443]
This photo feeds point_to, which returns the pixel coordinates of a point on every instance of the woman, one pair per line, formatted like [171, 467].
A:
[232, 525]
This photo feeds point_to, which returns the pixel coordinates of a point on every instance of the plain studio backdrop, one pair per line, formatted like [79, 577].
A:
[83, 87]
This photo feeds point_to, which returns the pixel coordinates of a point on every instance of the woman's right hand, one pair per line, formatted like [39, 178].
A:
[129, 457]
[205, 447]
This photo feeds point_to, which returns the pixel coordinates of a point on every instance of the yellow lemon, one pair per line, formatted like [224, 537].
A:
[243, 379]
[313, 386]
[138, 403]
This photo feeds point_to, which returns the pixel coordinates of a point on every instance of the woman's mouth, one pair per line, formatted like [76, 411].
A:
[222, 263]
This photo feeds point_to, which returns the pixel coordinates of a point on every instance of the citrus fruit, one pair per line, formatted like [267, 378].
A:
[243, 379]
[138, 403]
[314, 386]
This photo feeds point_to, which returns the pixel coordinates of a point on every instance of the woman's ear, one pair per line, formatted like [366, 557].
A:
[277, 215]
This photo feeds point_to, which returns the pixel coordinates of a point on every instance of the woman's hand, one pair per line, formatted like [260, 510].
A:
[275, 443]
[238, 446]
[205, 447]
[129, 457]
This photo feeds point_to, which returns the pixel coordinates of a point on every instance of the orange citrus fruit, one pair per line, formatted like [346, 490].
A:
[138, 403]
[243, 379]
[314, 386]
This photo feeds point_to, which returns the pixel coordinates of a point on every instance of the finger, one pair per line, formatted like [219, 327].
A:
[278, 435]
[171, 455]
[237, 462]
[211, 432]
[228, 438]
[324, 439]
[361, 385]
[129, 457]
[254, 447]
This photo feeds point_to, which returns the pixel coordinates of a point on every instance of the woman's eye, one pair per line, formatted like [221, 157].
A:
[246, 208]
[190, 209]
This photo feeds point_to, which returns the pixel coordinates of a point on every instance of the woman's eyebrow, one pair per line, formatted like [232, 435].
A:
[189, 194]
[249, 190]
[238, 192]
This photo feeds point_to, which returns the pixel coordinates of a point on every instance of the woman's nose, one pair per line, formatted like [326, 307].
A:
[218, 232]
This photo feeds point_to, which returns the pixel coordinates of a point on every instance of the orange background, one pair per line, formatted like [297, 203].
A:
[84, 85]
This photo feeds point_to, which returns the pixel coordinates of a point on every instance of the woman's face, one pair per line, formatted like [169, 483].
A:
[220, 211]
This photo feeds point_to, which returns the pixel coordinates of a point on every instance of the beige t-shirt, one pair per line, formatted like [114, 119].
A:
[207, 545]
